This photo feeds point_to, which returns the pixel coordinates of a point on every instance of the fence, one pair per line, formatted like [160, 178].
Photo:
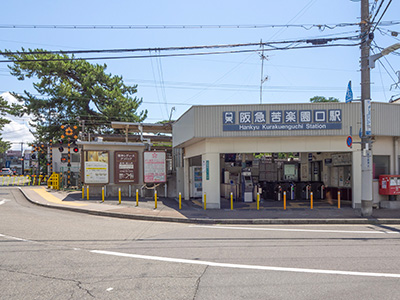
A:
[23, 180]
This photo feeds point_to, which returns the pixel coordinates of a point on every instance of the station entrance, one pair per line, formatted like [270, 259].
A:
[324, 175]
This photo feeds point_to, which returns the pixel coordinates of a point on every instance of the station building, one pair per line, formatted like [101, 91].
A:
[270, 148]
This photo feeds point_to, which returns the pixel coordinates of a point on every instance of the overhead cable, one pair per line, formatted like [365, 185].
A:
[158, 49]
[154, 27]
[387, 6]
[316, 45]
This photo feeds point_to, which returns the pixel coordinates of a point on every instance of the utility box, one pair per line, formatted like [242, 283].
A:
[389, 184]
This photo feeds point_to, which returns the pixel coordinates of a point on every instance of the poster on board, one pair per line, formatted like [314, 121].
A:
[96, 167]
[155, 169]
[126, 167]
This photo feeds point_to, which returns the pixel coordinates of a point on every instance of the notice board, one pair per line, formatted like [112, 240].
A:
[126, 167]
[96, 167]
[155, 169]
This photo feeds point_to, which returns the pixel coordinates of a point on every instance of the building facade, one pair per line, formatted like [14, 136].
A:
[287, 145]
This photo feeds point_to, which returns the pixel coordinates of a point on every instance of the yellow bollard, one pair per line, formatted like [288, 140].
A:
[231, 201]
[311, 200]
[155, 199]
[180, 200]
[258, 201]
[119, 195]
[284, 200]
[205, 201]
[83, 192]
[39, 180]
[87, 192]
[338, 200]
[137, 197]
[102, 194]
[29, 180]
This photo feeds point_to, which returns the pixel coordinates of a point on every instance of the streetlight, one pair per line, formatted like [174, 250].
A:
[384, 52]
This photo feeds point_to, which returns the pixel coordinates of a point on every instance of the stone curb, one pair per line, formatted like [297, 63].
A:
[218, 221]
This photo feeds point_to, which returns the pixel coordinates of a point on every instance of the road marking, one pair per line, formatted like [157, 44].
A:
[15, 238]
[226, 265]
[248, 267]
[295, 230]
[4, 201]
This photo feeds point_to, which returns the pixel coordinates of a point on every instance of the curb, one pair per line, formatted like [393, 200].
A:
[361, 221]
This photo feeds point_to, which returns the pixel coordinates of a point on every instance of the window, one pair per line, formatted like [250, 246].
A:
[381, 165]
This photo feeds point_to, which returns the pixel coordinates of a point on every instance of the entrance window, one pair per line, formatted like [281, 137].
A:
[381, 165]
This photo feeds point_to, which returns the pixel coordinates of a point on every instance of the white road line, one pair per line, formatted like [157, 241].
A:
[249, 267]
[4, 201]
[226, 265]
[295, 230]
[15, 238]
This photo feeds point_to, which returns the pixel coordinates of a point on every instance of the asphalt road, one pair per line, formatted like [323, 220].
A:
[50, 254]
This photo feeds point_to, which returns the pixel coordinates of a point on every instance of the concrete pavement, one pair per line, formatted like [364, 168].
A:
[270, 212]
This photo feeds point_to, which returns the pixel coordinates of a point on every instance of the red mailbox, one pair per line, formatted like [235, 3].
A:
[389, 184]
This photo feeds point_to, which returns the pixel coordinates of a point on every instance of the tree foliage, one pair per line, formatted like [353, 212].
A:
[321, 99]
[70, 90]
[6, 108]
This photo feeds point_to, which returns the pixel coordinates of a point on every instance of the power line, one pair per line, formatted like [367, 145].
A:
[373, 19]
[156, 27]
[200, 47]
[387, 6]
[321, 43]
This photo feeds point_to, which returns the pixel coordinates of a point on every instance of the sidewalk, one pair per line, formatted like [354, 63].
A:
[192, 211]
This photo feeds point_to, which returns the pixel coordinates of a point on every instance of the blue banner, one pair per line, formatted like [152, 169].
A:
[349, 93]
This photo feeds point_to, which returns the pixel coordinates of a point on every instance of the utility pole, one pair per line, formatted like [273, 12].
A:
[263, 79]
[22, 158]
[366, 155]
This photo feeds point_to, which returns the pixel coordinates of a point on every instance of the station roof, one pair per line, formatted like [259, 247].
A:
[129, 127]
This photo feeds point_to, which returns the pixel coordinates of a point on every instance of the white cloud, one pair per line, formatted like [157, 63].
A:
[18, 130]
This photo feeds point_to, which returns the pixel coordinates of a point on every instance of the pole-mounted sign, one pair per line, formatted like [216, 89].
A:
[349, 141]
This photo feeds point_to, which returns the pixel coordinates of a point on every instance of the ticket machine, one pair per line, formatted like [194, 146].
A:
[247, 186]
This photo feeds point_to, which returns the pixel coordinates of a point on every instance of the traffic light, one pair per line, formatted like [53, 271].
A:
[33, 156]
[75, 148]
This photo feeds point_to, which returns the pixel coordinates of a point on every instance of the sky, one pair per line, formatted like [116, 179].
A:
[170, 85]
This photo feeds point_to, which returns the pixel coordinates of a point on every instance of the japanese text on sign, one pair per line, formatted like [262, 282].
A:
[155, 169]
[282, 120]
[126, 167]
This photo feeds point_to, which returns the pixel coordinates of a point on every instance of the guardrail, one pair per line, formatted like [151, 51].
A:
[21, 180]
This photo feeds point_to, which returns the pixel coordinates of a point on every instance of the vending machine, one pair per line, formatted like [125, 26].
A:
[195, 182]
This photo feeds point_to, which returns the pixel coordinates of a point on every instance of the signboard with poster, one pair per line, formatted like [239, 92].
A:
[96, 167]
[126, 167]
[155, 167]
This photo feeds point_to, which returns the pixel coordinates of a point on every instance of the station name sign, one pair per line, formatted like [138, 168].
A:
[317, 119]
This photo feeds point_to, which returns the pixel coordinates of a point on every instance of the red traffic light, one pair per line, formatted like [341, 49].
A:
[76, 149]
